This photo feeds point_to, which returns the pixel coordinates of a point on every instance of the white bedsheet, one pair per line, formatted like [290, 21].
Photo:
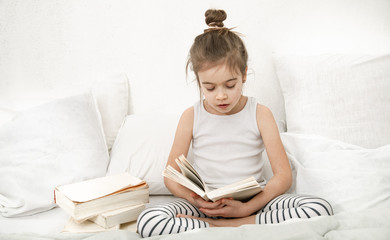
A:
[370, 223]
[48, 222]
[52, 221]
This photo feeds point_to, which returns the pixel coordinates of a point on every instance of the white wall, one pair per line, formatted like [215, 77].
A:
[52, 48]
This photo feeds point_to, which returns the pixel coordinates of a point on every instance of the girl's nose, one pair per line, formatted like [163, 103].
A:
[221, 95]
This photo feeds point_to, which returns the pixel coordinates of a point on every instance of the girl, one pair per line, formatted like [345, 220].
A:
[228, 132]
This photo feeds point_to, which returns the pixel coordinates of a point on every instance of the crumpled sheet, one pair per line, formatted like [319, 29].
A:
[373, 223]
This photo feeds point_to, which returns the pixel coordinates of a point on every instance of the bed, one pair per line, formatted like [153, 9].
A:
[332, 156]
[332, 109]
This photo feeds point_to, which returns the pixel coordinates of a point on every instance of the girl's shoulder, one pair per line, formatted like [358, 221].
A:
[264, 115]
[262, 109]
[187, 117]
[189, 112]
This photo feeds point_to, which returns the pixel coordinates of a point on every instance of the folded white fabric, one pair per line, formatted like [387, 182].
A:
[348, 176]
[52, 144]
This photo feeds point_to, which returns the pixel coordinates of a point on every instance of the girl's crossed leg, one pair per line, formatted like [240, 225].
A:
[162, 219]
[289, 206]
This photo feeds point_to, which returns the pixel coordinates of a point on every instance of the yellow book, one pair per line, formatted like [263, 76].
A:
[91, 227]
[119, 216]
[90, 198]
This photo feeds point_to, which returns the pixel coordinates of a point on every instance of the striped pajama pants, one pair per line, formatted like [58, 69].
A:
[161, 219]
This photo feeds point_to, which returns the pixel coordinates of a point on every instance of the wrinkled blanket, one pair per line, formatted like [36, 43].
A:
[371, 223]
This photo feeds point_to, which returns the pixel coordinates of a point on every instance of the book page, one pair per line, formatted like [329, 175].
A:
[248, 182]
[190, 175]
[176, 176]
[99, 187]
[239, 190]
[189, 166]
[241, 195]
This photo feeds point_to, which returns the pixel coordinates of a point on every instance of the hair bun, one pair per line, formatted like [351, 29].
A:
[215, 17]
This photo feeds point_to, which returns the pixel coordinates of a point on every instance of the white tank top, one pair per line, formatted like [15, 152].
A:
[227, 148]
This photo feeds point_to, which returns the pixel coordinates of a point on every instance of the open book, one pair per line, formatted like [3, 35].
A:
[189, 178]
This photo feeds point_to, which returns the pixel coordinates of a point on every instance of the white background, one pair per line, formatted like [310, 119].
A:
[50, 48]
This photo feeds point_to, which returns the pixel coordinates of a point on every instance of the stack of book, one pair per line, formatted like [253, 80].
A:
[107, 201]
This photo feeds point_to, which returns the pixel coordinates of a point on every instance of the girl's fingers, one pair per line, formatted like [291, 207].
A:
[200, 202]
[211, 204]
[213, 212]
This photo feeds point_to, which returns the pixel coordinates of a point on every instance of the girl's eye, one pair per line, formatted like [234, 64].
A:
[231, 86]
[210, 89]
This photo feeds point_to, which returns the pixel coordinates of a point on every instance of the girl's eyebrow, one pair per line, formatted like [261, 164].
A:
[232, 79]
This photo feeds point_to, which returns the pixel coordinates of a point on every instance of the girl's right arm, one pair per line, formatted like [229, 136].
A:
[181, 145]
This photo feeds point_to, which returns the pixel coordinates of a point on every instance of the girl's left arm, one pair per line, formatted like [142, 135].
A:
[277, 185]
[282, 175]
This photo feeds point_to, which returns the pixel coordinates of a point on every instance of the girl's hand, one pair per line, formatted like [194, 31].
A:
[230, 208]
[200, 203]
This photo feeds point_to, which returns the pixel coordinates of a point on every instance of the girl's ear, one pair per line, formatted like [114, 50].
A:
[244, 77]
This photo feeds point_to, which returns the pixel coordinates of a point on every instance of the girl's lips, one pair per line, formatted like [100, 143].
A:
[223, 106]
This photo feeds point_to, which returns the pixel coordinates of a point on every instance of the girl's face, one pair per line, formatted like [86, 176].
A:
[222, 89]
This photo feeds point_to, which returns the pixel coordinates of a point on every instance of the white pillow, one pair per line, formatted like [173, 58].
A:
[345, 97]
[111, 93]
[348, 176]
[112, 96]
[53, 144]
[5, 115]
[142, 148]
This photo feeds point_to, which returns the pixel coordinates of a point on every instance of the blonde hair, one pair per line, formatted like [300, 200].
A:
[217, 45]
